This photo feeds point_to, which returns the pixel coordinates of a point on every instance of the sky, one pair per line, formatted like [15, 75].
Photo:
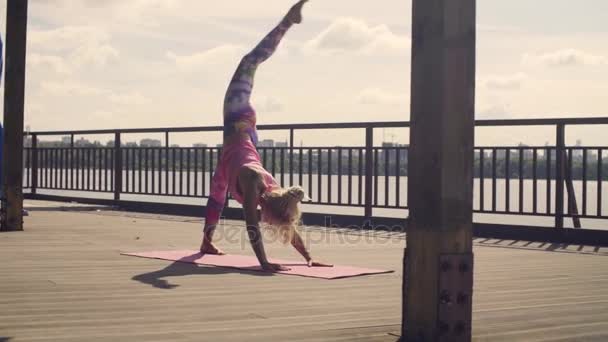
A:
[94, 64]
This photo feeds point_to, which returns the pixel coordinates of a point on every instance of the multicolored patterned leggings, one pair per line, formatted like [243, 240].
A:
[239, 115]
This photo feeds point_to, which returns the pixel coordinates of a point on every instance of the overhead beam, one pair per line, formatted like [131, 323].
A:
[437, 285]
[14, 91]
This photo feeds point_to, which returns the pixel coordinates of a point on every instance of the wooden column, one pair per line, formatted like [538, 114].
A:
[14, 89]
[437, 284]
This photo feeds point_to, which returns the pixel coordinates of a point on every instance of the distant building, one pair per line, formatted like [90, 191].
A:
[82, 142]
[150, 143]
[280, 144]
[199, 145]
[66, 140]
[266, 143]
[130, 144]
[392, 150]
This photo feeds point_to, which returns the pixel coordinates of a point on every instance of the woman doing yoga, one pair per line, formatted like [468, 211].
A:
[239, 169]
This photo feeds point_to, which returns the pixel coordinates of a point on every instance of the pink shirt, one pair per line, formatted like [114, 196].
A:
[236, 155]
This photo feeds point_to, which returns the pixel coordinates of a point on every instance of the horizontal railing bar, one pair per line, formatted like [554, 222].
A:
[326, 147]
[75, 190]
[515, 213]
[545, 122]
[337, 125]
[296, 149]
[517, 147]
[346, 125]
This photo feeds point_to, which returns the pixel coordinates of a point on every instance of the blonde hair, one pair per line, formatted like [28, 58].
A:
[281, 211]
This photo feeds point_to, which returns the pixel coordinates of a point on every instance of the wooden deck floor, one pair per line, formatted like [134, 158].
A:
[64, 280]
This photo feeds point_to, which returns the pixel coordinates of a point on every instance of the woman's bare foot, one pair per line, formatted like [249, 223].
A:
[208, 248]
[295, 13]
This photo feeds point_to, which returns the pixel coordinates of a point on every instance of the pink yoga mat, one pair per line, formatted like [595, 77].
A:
[251, 264]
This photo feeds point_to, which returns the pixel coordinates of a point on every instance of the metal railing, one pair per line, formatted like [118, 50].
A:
[513, 180]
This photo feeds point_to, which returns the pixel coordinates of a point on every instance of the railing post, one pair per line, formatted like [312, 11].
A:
[72, 162]
[572, 206]
[291, 157]
[117, 167]
[34, 165]
[559, 176]
[369, 167]
[167, 162]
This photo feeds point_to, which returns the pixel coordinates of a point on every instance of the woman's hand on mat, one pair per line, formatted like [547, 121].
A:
[312, 263]
[295, 13]
[270, 267]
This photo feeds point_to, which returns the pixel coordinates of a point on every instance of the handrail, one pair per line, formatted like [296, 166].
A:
[336, 125]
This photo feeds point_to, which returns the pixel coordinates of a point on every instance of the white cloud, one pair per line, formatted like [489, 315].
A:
[355, 35]
[266, 104]
[504, 82]
[103, 115]
[499, 29]
[377, 96]
[146, 12]
[66, 38]
[162, 5]
[79, 45]
[135, 98]
[564, 57]
[45, 62]
[94, 54]
[77, 89]
[493, 111]
[70, 88]
[213, 57]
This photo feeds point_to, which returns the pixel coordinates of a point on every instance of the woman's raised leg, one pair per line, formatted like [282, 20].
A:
[239, 115]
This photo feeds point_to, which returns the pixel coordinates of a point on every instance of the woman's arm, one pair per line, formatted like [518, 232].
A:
[298, 244]
[250, 183]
